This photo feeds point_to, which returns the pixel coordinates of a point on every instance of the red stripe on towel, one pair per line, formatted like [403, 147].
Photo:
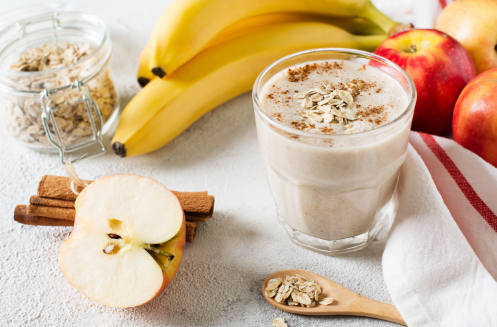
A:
[442, 3]
[460, 180]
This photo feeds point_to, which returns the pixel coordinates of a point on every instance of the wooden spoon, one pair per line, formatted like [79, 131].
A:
[346, 302]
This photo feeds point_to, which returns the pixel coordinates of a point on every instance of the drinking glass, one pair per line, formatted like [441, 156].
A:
[334, 193]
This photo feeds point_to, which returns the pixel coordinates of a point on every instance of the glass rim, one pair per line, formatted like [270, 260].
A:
[99, 23]
[364, 54]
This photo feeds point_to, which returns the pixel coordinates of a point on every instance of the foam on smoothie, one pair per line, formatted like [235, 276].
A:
[380, 101]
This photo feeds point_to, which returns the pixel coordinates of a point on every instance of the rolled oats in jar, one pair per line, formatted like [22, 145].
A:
[56, 63]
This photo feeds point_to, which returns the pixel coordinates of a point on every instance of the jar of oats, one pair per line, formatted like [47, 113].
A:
[56, 91]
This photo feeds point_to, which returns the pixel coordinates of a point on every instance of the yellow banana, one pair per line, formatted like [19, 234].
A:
[144, 75]
[187, 26]
[359, 26]
[166, 107]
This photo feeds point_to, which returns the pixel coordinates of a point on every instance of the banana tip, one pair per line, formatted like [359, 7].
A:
[143, 81]
[158, 72]
[400, 28]
[119, 149]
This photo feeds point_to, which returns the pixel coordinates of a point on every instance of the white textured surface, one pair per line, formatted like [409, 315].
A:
[219, 281]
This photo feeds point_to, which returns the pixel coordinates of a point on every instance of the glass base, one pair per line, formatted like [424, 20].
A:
[351, 244]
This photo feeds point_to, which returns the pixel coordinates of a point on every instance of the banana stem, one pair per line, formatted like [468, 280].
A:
[168, 255]
[371, 42]
[372, 14]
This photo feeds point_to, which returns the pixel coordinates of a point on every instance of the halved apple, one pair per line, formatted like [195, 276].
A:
[127, 241]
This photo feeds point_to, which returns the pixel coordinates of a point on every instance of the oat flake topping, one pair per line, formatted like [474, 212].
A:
[328, 104]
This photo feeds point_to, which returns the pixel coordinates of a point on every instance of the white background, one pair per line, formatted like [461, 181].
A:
[219, 281]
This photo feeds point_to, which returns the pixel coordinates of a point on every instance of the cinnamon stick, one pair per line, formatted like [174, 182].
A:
[70, 214]
[57, 187]
[189, 217]
[21, 216]
[51, 202]
[52, 212]
[191, 231]
[198, 205]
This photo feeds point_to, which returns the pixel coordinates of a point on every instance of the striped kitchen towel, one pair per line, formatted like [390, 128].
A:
[440, 260]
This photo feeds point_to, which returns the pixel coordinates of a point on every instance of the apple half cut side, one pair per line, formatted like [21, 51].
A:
[127, 241]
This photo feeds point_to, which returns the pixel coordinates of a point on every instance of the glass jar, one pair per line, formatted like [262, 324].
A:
[333, 192]
[70, 106]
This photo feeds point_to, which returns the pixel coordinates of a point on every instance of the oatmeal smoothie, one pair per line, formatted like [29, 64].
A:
[328, 183]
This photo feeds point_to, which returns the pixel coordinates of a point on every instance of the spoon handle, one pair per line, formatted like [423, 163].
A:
[373, 309]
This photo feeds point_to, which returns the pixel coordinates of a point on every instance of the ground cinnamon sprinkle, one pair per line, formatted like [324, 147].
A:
[373, 114]
[270, 96]
[278, 117]
[302, 73]
[326, 130]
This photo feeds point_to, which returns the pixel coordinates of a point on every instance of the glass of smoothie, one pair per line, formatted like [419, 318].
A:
[333, 127]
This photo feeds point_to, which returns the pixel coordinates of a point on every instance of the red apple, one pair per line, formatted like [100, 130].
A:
[440, 68]
[127, 242]
[475, 117]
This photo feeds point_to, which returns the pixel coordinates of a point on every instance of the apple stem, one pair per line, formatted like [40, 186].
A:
[413, 48]
[168, 255]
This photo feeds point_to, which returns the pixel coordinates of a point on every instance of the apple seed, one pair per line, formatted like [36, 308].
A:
[109, 248]
[114, 236]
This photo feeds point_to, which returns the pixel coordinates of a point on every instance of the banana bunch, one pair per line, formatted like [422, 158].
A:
[203, 53]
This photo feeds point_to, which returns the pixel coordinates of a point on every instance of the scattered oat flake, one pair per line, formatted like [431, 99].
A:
[279, 322]
[327, 301]
[273, 283]
[295, 290]
[304, 298]
[271, 293]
